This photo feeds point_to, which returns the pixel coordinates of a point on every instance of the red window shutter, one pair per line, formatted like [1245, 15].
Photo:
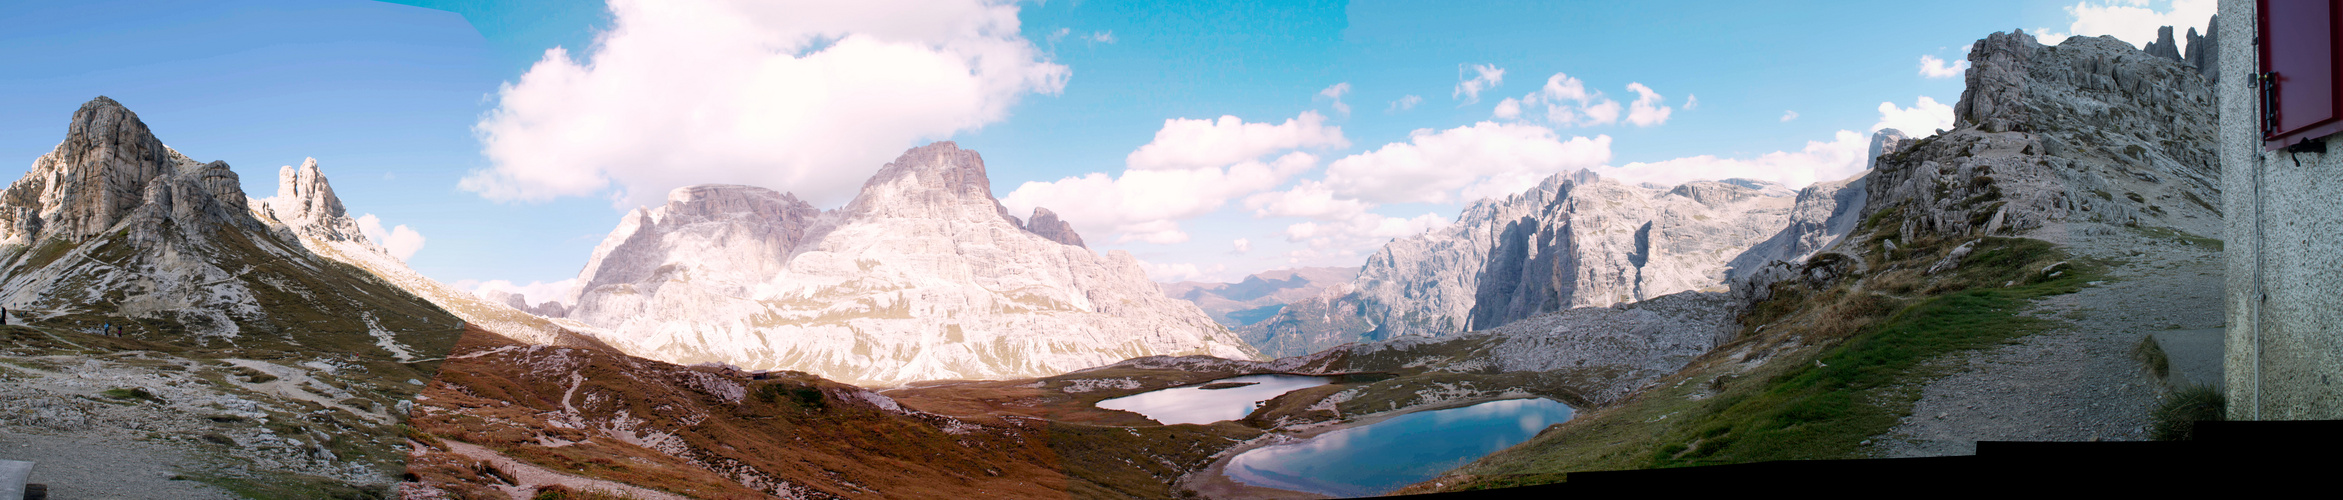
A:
[2298, 49]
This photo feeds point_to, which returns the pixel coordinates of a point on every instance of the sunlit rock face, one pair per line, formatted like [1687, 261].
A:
[923, 276]
[1575, 240]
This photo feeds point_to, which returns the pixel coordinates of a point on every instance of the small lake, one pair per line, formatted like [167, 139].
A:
[1195, 404]
[1404, 450]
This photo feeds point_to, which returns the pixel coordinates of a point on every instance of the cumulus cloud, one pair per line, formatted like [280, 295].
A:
[1405, 103]
[1932, 67]
[1923, 118]
[1646, 110]
[2134, 21]
[1190, 144]
[1101, 37]
[1335, 93]
[1789, 115]
[1242, 245]
[1463, 163]
[1567, 103]
[401, 241]
[1191, 168]
[1691, 102]
[1173, 273]
[802, 96]
[1508, 109]
[1486, 76]
[536, 292]
[1840, 158]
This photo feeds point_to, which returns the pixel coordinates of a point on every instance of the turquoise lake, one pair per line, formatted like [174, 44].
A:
[1404, 450]
[1196, 405]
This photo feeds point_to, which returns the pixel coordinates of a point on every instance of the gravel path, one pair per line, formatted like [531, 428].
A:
[2080, 381]
[89, 466]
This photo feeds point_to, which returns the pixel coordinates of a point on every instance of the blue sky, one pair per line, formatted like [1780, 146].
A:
[399, 103]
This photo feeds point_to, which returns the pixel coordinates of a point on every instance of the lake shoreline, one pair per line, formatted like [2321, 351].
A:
[1213, 481]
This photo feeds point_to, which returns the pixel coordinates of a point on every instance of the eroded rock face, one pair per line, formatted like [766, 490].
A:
[1575, 240]
[923, 276]
[2088, 126]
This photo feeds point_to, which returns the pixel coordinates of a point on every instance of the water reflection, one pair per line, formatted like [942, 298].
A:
[1369, 460]
[1197, 405]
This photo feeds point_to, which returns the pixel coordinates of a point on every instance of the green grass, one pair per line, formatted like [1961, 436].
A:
[130, 393]
[297, 487]
[1835, 365]
[1826, 409]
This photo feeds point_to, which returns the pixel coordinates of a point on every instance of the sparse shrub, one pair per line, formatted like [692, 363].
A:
[2152, 354]
[130, 393]
[2176, 418]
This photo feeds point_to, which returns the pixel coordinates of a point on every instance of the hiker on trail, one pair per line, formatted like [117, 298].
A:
[3, 316]
[108, 329]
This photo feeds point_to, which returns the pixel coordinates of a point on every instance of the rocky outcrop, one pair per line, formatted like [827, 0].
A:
[2202, 53]
[922, 276]
[2164, 46]
[306, 214]
[1046, 224]
[2090, 125]
[1575, 240]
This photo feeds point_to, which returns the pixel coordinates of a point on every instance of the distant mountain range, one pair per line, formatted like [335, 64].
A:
[1575, 240]
[1259, 296]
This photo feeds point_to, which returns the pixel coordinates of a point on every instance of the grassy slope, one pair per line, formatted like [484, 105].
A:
[1818, 368]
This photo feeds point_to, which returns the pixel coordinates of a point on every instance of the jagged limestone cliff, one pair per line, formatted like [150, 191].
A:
[923, 276]
[1575, 240]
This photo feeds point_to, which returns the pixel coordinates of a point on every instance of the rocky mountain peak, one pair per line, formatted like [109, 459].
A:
[2165, 46]
[1047, 224]
[923, 276]
[94, 178]
[938, 180]
[302, 193]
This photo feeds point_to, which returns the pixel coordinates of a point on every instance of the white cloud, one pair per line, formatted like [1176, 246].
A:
[1242, 245]
[1922, 119]
[536, 292]
[1932, 67]
[1568, 103]
[1191, 168]
[807, 97]
[1173, 273]
[1789, 115]
[1819, 161]
[1405, 103]
[2134, 21]
[1336, 92]
[1308, 198]
[1839, 158]
[1486, 76]
[1189, 144]
[1691, 102]
[1463, 163]
[1360, 233]
[1101, 37]
[401, 241]
[1508, 109]
[1646, 111]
